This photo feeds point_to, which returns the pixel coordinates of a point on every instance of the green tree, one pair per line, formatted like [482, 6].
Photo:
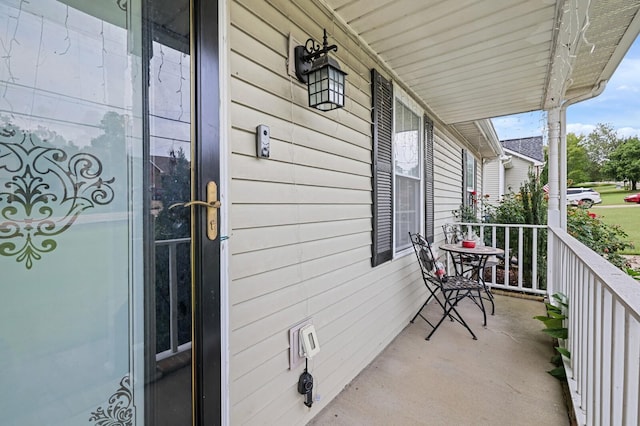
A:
[171, 224]
[174, 223]
[599, 144]
[578, 162]
[113, 138]
[544, 174]
[624, 162]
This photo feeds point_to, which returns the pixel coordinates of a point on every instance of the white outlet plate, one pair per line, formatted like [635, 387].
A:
[295, 358]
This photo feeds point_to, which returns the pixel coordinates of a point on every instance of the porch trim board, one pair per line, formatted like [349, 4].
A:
[224, 48]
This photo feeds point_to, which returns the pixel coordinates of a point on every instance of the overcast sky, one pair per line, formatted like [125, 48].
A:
[618, 105]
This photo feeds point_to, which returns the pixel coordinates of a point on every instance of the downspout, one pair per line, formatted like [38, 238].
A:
[557, 119]
[500, 178]
[561, 196]
[557, 208]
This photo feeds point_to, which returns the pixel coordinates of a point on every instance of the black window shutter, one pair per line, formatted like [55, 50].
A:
[382, 131]
[428, 180]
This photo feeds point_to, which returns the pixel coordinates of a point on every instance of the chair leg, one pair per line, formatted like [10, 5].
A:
[448, 302]
[419, 311]
[487, 291]
[484, 312]
[456, 315]
[431, 296]
[471, 295]
[490, 298]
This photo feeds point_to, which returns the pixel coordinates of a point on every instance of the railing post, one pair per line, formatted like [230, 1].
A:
[551, 254]
[534, 258]
[171, 275]
[173, 297]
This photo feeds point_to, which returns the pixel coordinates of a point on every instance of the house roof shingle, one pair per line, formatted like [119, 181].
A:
[531, 147]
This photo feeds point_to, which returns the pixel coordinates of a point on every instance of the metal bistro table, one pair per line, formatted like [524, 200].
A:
[472, 262]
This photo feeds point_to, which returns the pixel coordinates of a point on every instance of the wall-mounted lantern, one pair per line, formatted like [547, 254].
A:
[322, 73]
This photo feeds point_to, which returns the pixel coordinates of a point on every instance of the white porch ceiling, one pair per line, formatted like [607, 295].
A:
[478, 59]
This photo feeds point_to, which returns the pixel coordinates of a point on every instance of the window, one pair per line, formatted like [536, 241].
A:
[402, 171]
[407, 173]
[469, 182]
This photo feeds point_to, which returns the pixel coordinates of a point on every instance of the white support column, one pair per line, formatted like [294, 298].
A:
[553, 120]
[562, 167]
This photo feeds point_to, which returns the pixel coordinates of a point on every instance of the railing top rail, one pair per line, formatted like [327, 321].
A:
[172, 241]
[620, 284]
[504, 225]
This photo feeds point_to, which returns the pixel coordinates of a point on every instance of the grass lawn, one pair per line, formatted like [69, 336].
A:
[612, 196]
[626, 215]
[629, 220]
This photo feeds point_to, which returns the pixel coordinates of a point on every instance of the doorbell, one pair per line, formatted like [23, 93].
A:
[263, 142]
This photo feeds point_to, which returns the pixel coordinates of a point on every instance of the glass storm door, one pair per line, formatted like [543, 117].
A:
[183, 169]
[108, 127]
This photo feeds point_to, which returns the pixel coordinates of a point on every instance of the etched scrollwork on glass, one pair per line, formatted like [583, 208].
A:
[120, 410]
[46, 190]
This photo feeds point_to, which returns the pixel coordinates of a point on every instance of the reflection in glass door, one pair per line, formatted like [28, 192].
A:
[71, 222]
[169, 313]
[98, 140]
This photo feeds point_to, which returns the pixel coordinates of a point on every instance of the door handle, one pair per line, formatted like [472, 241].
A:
[212, 204]
[215, 204]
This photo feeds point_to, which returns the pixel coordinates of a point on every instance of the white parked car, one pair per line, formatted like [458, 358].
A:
[584, 197]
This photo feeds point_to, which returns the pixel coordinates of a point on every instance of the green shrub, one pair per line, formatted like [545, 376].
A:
[606, 240]
[529, 206]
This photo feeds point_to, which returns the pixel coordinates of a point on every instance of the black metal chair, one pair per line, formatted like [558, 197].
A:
[451, 289]
[453, 234]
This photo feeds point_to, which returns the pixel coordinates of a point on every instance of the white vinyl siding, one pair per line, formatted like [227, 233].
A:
[447, 180]
[516, 175]
[301, 221]
[491, 180]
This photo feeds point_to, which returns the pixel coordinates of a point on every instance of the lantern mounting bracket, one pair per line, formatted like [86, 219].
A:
[305, 55]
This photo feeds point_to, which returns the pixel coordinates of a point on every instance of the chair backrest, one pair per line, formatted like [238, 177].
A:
[452, 233]
[431, 268]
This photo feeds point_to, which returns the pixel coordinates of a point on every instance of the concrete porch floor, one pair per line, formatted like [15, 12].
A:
[499, 379]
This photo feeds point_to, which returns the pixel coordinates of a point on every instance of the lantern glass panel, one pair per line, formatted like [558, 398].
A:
[326, 87]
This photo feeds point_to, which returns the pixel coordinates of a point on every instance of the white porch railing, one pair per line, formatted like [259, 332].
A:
[603, 322]
[604, 332]
[172, 270]
[523, 269]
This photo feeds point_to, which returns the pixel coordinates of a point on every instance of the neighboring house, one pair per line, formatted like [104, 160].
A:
[312, 226]
[507, 173]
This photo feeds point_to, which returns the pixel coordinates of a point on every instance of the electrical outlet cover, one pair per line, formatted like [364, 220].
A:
[295, 358]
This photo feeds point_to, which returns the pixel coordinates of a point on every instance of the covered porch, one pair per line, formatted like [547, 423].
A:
[462, 66]
[454, 380]
[501, 378]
